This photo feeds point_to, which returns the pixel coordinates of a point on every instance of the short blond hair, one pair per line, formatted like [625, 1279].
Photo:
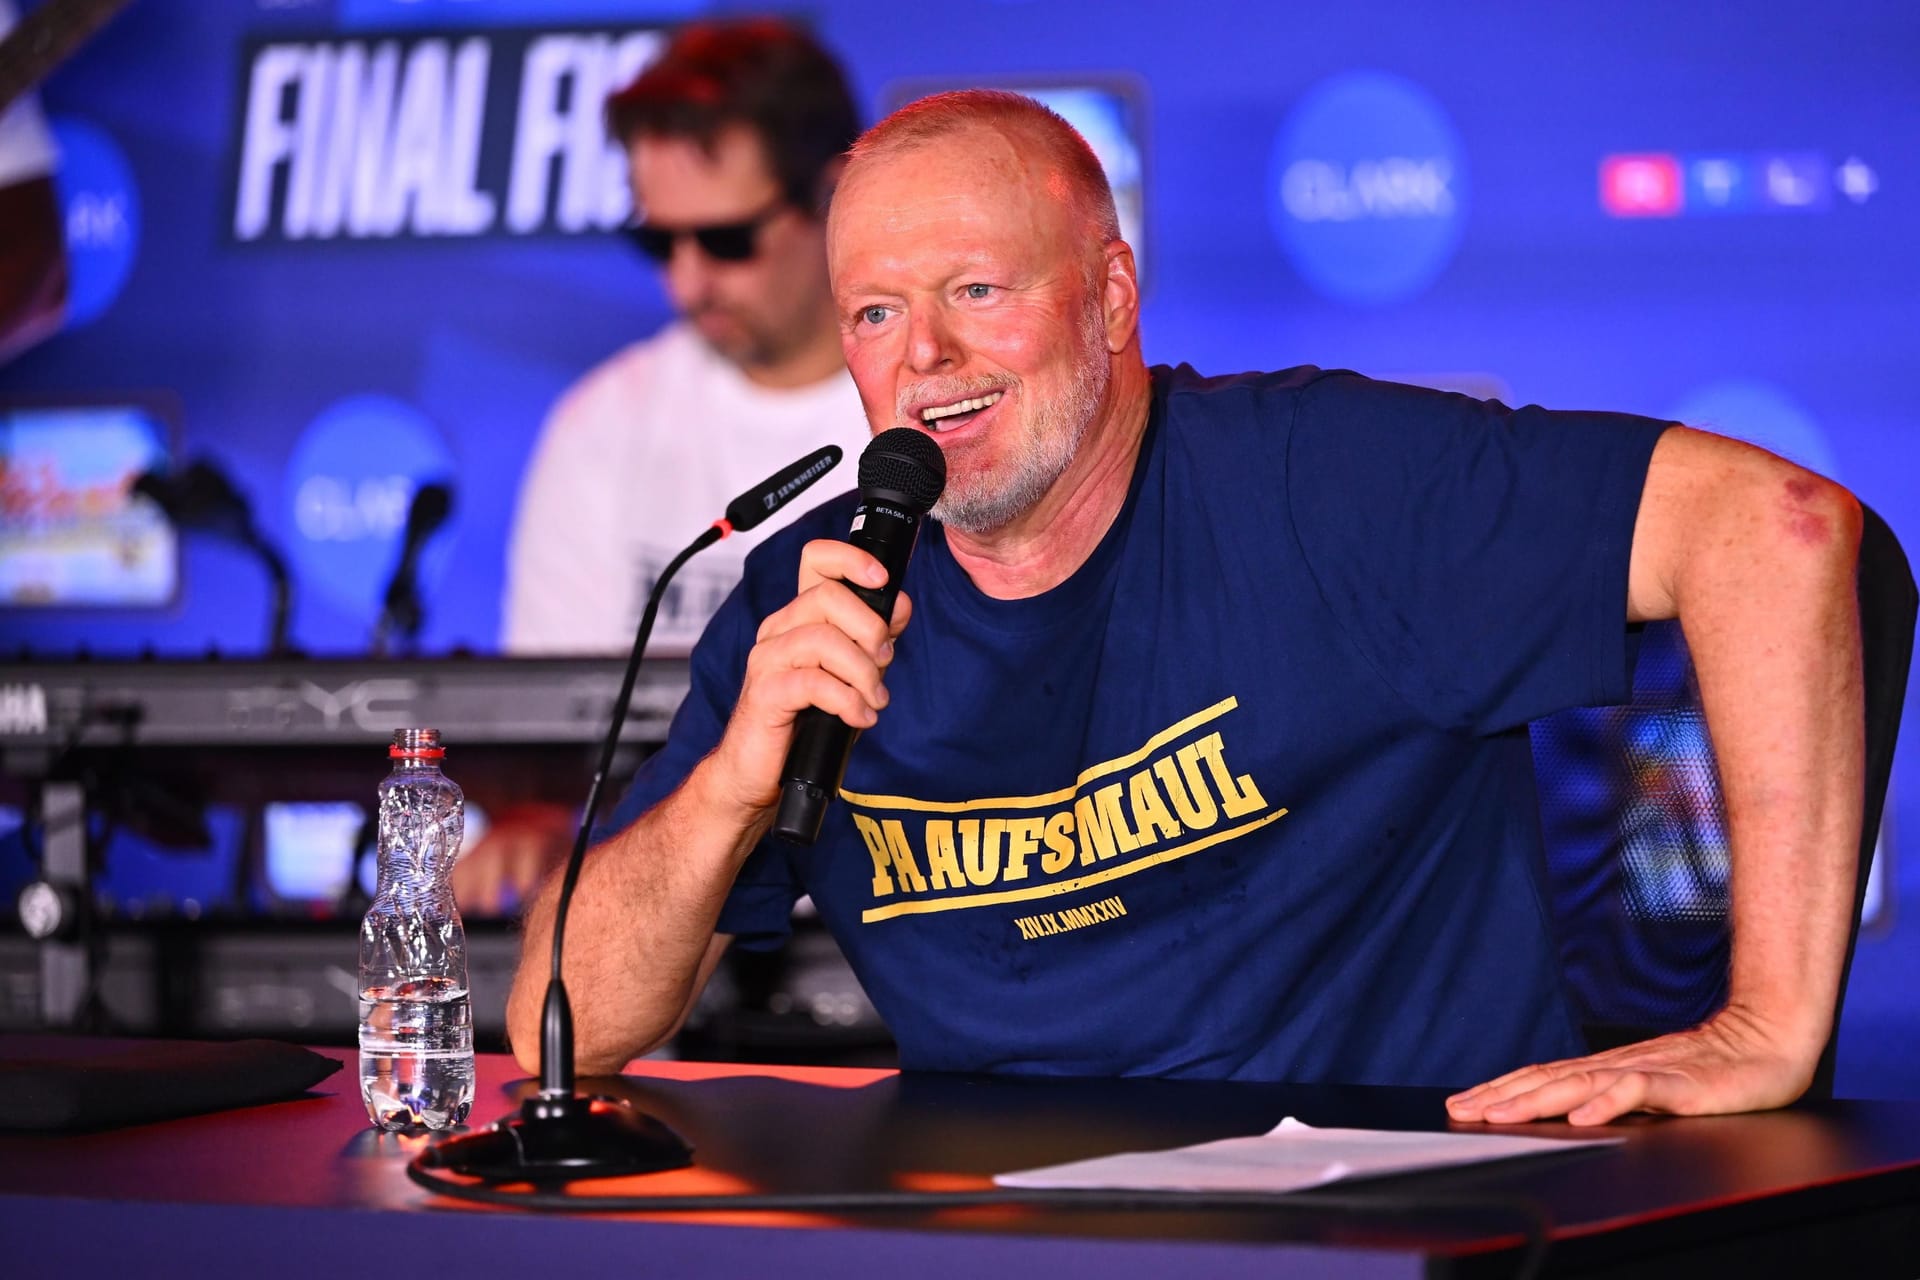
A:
[1012, 115]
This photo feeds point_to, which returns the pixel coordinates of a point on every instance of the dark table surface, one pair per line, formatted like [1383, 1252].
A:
[306, 1187]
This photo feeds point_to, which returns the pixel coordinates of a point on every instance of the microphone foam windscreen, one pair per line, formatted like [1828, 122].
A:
[158, 488]
[432, 504]
[905, 462]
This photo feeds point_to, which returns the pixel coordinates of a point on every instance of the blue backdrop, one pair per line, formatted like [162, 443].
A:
[1690, 211]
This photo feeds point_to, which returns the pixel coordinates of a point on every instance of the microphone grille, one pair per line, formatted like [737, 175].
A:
[432, 504]
[905, 462]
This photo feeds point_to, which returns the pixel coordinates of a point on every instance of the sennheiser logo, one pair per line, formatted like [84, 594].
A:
[799, 482]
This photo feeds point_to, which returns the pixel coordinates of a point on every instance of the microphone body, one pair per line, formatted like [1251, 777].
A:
[817, 761]
[901, 475]
[401, 606]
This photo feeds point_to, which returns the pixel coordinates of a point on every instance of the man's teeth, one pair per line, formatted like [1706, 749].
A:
[959, 407]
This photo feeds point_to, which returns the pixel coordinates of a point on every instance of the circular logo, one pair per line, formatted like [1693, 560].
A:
[1761, 414]
[1368, 188]
[351, 482]
[100, 207]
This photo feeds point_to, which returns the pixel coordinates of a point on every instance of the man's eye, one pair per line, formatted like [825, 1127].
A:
[874, 315]
[979, 290]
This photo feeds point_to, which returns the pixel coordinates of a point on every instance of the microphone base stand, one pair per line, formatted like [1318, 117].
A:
[559, 1138]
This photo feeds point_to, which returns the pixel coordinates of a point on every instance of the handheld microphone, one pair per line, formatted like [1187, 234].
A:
[557, 1135]
[401, 611]
[901, 475]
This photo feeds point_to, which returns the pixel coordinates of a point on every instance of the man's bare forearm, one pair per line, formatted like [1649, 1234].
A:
[641, 922]
[1769, 610]
[1756, 558]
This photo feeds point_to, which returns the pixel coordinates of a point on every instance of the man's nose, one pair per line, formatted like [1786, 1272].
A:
[931, 343]
[689, 274]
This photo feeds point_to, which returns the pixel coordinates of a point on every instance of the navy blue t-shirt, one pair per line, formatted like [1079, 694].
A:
[1249, 795]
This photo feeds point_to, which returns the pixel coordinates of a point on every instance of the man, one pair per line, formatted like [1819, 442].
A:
[1207, 757]
[734, 136]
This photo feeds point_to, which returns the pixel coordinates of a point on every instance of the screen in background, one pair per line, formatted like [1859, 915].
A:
[310, 848]
[140, 877]
[147, 874]
[70, 533]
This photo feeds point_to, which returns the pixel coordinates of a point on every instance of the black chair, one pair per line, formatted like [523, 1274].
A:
[1635, 826]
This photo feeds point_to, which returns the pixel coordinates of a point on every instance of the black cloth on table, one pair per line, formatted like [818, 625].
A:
[81, 1085]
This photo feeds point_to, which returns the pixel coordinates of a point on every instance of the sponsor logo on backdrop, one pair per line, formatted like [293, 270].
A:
[1662, 184]
[440, 134]
[1719, 184]
[350, 481]
[1794, 181]
[1760, 413]
[1641, 186]
[1368, 188]
[100, 206]
[465, 13]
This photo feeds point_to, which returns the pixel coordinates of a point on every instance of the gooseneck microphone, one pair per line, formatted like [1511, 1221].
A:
[780, 488]
[901, 475]
[202, 499]
[557, 1135]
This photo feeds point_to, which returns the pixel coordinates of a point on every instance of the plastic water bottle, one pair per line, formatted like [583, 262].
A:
[416, 1020]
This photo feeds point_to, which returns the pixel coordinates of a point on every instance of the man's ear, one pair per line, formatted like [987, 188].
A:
[1120, 296]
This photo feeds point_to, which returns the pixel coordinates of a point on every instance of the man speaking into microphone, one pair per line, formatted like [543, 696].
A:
[1195, 743]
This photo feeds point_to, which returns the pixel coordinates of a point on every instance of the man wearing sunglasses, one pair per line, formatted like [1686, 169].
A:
[733, 137]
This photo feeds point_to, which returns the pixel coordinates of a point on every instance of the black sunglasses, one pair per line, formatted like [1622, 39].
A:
[723, 242]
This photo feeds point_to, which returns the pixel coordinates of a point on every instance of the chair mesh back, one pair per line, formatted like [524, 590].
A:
[1637, 862]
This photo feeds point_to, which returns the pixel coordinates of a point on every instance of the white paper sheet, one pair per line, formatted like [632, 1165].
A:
[1292, 1157]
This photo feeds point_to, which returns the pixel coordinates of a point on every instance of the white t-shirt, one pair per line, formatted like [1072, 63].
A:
[26, 144]
[634, 461]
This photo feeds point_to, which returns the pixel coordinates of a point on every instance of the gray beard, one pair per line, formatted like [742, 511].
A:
[982, 503]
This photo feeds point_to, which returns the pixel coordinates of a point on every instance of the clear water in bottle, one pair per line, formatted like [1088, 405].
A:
[416, 1054]
[416, 1020]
